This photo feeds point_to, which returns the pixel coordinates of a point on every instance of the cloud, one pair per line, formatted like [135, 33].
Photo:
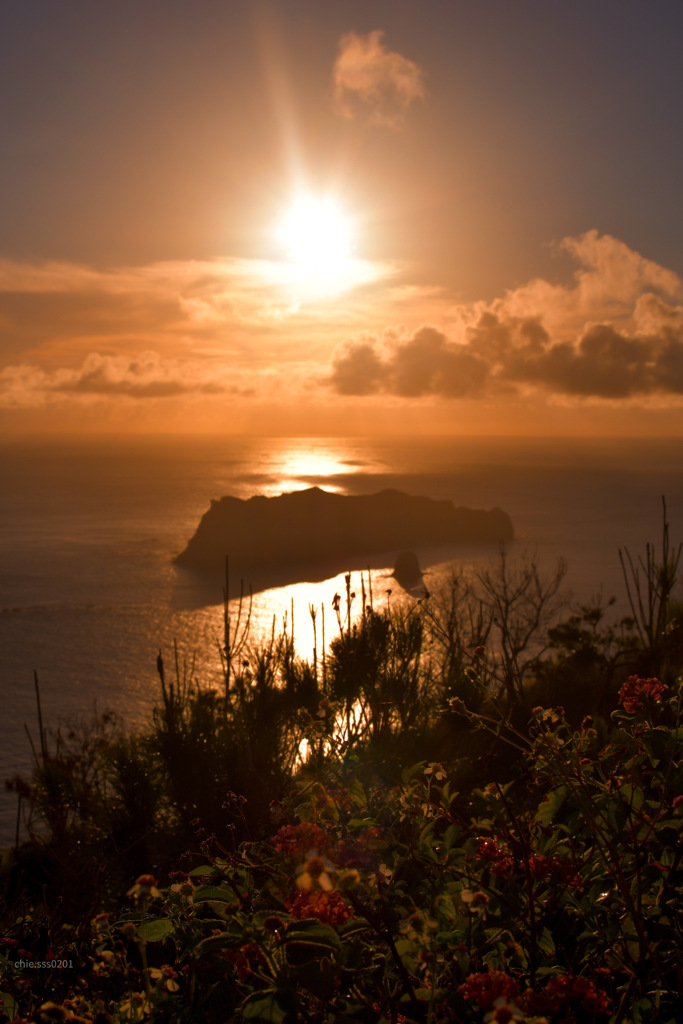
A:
[359, 370]
[147, 376]
[545, 337]
[84, 338]
[608, 284]
[610, 269]
[59, 312]
[374, 81]
[126, 338]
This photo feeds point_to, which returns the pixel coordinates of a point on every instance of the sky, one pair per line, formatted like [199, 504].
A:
[341, 217]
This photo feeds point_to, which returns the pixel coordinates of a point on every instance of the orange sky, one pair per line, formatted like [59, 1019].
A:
[510, 183]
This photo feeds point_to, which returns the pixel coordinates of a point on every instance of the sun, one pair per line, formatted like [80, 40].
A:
[316, 232]
[317, 235]
[316, 242]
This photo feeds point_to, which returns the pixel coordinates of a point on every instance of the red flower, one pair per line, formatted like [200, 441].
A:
[502, 861]
[541, 866]
[563, 990]
[484, 989]
[328, 907]
[358, 852]
[296, 840]
[636, 693]
[240, 959]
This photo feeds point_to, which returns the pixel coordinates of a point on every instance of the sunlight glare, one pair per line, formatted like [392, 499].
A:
[316, 237]
[316, 233]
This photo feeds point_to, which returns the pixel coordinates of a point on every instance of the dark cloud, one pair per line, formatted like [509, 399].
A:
[604, 364]
[358, 370]
[499, 354]
[429, 364]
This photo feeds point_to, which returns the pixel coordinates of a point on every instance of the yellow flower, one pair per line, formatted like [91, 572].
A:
[315, 870]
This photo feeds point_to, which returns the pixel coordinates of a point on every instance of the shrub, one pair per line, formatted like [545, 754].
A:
[554, 897]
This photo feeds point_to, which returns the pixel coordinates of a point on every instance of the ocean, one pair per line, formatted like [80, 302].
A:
[89, 527]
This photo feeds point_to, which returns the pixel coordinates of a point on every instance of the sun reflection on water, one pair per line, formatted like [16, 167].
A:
[302, 468]
[295, 464]
[306, 612]
[290, 608]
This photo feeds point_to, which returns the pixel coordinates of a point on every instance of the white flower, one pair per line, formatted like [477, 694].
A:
[503, 1012]
[315, 870]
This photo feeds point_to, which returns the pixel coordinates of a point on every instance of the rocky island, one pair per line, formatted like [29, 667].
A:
[313, 534]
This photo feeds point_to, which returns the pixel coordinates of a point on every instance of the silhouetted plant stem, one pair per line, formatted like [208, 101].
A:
[18, 823]
[41, 729]
[313, 613]
[649, 601]
[322, 624]
[226, 627]
[142, 946]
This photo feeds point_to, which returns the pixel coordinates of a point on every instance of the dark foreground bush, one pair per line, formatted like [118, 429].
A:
[554, 897]
[526, 867]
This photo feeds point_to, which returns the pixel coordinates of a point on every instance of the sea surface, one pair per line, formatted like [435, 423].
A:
[89, 527]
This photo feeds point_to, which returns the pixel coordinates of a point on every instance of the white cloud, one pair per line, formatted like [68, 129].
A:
[371, 80]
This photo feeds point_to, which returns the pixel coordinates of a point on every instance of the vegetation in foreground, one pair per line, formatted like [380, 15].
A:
[407, 829]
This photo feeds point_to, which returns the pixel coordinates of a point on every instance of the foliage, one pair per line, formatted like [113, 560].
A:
[553, 897]
[527, 866]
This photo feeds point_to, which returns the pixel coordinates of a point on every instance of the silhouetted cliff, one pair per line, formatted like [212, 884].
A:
[315, 531]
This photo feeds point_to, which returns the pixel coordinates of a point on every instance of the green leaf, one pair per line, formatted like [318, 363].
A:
[155, 931]
[412, 772]
[211, 894]
[549, 808]
[300, 954]
[669, 823]
[623, 716]
[204, 869]
[9, 1005]
[451, 834]
[546, 943]
[356, 823]
[633, 795]
[353, 927]
[224, 940]
[656, 743]
[266, 1005]
[357, 792]
[641, 1010]
[313, 933]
